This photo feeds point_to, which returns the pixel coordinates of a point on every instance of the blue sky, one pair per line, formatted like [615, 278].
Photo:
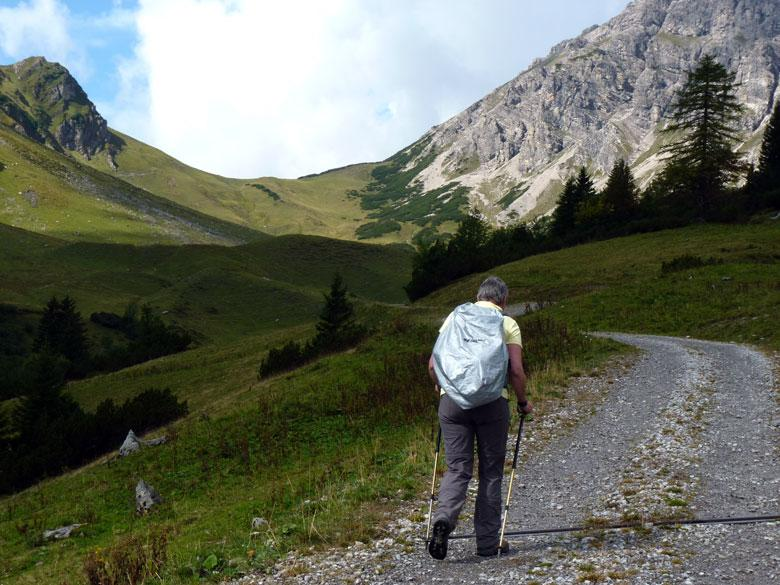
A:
[248, 88]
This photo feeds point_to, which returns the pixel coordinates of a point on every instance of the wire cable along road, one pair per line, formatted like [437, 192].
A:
[684, 443]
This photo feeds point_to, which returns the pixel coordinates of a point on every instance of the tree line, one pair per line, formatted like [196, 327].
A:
[46, 431]
[697, 183]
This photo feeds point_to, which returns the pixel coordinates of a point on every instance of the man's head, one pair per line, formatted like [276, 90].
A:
[493, 289]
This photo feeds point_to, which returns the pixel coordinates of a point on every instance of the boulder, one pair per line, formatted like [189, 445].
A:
[61, 532]
[146, 497]
[130, 445]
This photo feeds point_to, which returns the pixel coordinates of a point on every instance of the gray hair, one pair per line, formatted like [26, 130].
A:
[493, 289]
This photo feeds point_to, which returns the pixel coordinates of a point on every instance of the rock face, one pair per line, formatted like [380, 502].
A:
[42, 101]
[600, 97]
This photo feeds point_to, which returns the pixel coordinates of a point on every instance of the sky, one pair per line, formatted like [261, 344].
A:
[250, 88]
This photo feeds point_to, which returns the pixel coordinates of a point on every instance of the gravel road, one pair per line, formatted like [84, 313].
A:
[688, 428]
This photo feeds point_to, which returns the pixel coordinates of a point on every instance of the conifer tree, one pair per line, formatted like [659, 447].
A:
[563, 216]
[336, 327]
[768, 173]
[620, 193]
[61, 331]
[577, 193]
[704, 115]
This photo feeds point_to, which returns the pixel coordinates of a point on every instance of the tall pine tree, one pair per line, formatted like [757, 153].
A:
[61, 331]
[577, 193]
[704, 117]
[564, 214]
[620, 193]
[768, 173]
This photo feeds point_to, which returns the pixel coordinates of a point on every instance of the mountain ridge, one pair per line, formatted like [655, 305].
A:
[599, 97]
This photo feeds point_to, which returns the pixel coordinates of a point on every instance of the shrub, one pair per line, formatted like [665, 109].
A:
[687, 262]
[131, 561]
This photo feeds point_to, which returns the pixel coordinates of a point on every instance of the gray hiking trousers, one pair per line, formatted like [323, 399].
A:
[490, 425]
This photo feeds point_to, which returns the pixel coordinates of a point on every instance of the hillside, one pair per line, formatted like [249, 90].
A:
[313, 450]
[720, 283]
[47, 192]
[83, 158]
[592, 100]
[217, 291]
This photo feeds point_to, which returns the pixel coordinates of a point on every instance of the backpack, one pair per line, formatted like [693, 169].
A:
[470, 357]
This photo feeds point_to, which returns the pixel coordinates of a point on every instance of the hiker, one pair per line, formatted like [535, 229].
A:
[466, 413]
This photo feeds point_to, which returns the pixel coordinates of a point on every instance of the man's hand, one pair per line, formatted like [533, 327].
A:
[524, 407]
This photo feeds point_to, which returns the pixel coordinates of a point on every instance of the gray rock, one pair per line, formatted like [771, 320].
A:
[132, 443]
[258, 523]
[61, 532]
[146, 497]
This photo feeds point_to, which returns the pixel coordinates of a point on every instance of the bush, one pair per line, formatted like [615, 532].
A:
[687, 262]
[289, 356]
[131, 561]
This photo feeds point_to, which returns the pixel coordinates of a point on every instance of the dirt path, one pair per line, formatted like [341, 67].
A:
[691, 428]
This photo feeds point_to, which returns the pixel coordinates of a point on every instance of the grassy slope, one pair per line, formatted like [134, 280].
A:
[618, 285]
[346, 431]
[221, 292]
[46, 192]
[316, 205]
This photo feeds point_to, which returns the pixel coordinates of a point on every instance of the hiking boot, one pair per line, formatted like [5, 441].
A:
[492, 552]
[438, 544]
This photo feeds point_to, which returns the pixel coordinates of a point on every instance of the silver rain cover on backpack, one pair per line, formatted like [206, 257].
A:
[470, 357]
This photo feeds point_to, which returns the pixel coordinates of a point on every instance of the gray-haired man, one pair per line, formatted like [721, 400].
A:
[489, 424]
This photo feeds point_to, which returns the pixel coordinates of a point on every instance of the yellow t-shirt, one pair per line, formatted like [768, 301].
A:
[511, 332]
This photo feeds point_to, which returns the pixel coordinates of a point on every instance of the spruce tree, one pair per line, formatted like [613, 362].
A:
[704, 116]
[336, 327]
[563, 216]
[620, 193]
[577, 193]
[768, 173]
[61, 331]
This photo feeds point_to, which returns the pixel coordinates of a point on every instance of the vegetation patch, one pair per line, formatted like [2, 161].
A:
[376, 229]
[687, 262]
[512, 195]
[272, 194]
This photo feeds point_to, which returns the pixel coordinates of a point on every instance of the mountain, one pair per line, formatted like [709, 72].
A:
[594, 99]
[42, 101]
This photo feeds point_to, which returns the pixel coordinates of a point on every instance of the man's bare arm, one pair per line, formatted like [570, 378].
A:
[517, 375]
[432, 374]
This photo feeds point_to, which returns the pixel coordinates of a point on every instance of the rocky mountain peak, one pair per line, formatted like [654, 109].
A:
[44, 102]
[600, 97]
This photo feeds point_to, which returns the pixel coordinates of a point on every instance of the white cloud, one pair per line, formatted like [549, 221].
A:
[39, 27]
[248, 87]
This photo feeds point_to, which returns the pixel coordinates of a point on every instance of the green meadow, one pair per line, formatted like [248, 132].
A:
[321, 453]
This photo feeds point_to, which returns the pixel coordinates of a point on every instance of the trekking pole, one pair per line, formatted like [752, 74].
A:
[433, 486]
[511, 481]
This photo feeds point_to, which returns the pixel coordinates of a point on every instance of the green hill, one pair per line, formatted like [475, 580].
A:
[317, 205]
[322, 452]
[44, 191]
[59, 152]
[220, 292]
[722, 286]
